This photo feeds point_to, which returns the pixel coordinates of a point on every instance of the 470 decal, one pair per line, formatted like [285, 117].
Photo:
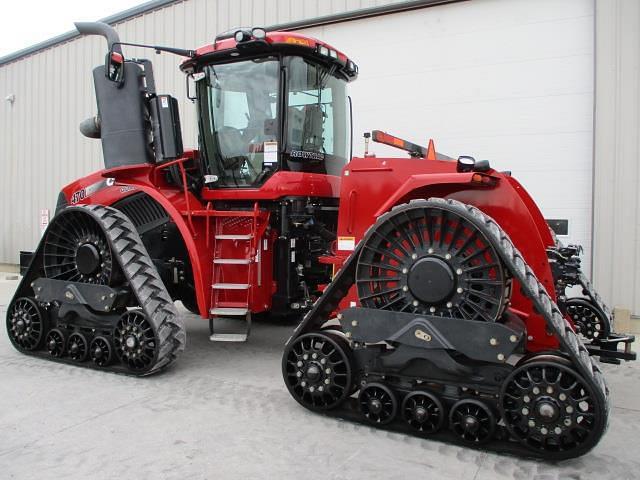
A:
[86, 192]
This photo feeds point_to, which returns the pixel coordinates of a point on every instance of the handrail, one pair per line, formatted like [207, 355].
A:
[185, 187]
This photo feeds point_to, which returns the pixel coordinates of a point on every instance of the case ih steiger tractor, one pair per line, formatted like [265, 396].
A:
[434, 294]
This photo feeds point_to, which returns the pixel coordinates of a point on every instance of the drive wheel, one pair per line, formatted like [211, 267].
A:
[100, 351]
[77, 347]
[425, 258]
[423, 411]
[135, 341]
[77, 250]
[317, 370]
[590, 322]
[378, 403]
[549, 407]
[472, 421]
[26, 324]
[55, 343]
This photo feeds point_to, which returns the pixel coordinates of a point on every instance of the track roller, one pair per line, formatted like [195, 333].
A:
[549, 407]
[26, 323]
[472, 421]
[378, 403]
[78, 347]
[100, 351]
[56, 343]
[423, 411]
[317, 370]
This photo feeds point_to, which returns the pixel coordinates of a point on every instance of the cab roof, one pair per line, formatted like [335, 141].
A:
[247, 42]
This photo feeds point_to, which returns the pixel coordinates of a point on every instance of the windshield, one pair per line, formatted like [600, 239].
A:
[240, 127]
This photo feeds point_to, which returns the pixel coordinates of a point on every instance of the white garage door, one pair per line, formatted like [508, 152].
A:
[510, 81]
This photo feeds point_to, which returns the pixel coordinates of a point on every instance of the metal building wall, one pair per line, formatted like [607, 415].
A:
[616, 213]
[40, 146]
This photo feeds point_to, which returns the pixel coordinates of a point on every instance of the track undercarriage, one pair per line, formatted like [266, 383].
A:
[93, 297]
[421, 360]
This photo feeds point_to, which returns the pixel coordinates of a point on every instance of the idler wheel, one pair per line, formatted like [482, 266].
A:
[549, 407]
[423, 411]
[135, 341]
[26, 324]
[589, 320]
[472, 421]
[378, 403]
[317, 370]
[77, 347]
[100, 351]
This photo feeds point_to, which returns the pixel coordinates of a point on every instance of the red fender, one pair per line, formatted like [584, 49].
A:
[101, 188]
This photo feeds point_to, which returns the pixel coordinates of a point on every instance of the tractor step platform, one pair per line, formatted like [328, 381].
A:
[230, 286]
[234, 237]
[227, 333]
[228, 337]
[226, 311]
[232, 261]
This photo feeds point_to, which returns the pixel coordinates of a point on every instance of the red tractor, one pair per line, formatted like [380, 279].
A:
[433, 291]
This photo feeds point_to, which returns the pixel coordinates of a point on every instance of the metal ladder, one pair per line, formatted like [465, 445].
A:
[221, 306]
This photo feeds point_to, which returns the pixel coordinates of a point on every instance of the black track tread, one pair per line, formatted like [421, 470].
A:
[514, 261]
[145, 283]
[596, 300]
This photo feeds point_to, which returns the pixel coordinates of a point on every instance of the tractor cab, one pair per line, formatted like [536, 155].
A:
[270, 103]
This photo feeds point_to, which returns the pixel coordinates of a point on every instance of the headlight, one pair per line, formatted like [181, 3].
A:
[259, 33]
[241, 36]
[465, 163]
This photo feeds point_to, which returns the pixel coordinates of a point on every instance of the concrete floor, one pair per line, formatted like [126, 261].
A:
[223, 412]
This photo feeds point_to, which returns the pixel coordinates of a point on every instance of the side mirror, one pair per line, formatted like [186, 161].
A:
[114, 67]
[192, 79]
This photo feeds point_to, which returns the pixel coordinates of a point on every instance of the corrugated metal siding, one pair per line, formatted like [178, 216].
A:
[40, 146]
[617, 153]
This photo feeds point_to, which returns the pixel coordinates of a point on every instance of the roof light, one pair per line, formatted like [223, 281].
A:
[465, 163]
[333, 54]
[323, 50]
[259, 33]
[241, 36]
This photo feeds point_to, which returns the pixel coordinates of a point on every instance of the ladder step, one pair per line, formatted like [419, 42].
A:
[228, 311]
[234, 237]
[230, 286]
[232, 261]
[228, 337]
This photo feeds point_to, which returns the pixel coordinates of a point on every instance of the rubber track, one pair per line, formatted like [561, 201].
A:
[144, 281]
[596, 299]
[514, 261]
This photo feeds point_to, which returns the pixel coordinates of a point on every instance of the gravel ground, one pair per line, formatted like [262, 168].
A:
[222, 412]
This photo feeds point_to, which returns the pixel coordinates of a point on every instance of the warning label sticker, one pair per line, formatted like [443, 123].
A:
[346, 243]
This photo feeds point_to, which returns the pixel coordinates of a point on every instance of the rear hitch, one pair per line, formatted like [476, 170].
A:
[608, 351]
